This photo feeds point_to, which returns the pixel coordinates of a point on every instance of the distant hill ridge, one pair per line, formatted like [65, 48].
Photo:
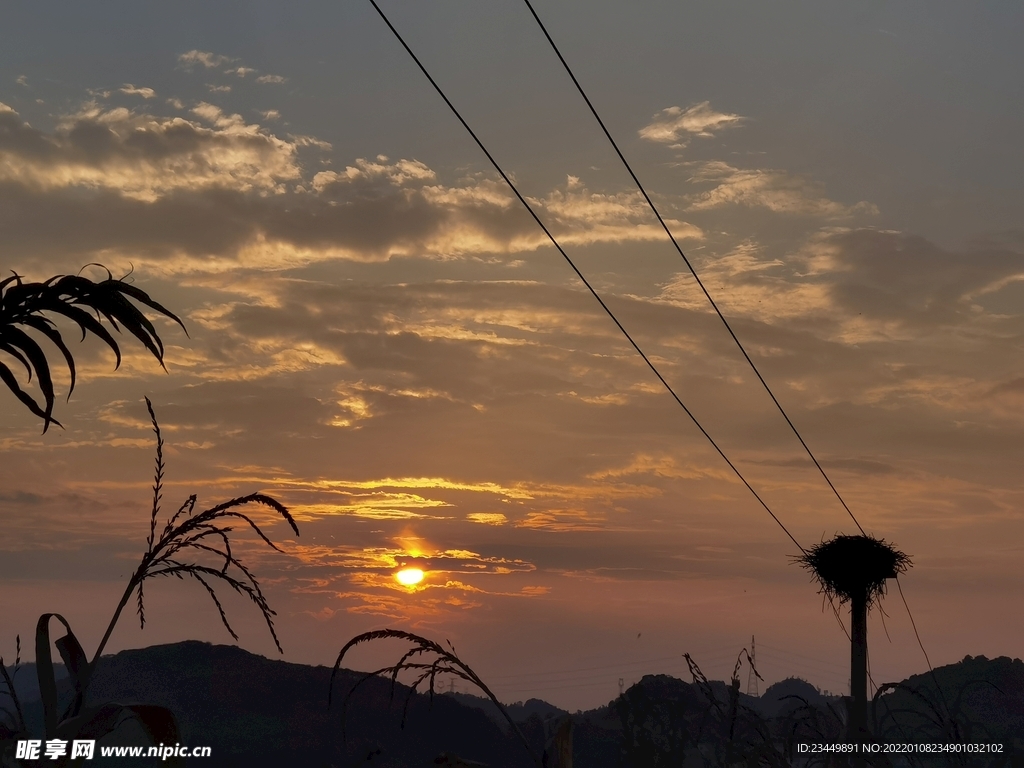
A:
[258, 712]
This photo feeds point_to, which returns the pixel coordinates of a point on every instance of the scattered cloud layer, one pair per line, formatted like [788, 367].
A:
[212, 61]
[209, 191]
[391, 348]
[204, 59]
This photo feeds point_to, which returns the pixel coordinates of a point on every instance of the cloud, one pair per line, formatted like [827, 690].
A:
[131, 90]
[581, 217]
[370, 586]
[242, 71]
[203, 58]
[218, 88]
[676, 126]
[482, 216]
[145, 157]
[563, 520]
[399, 173]
[910, 282]
[271, 79]
[657, 466]
[210, 191]
[856, 466]
[379, 505]
[487, 518]
[777, 191]
[860, 285]
[754, 283]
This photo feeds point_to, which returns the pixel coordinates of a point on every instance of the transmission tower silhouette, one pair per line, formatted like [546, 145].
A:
[751, 677]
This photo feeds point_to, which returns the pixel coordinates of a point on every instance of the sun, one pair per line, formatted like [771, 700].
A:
[409, 576]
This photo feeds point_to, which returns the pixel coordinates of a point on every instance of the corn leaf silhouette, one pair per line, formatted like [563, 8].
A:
[86, 303]
[77, 721]
[12, 722]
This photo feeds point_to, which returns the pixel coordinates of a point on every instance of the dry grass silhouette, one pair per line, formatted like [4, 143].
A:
[189, 533]
[426, 660]
[184, 536]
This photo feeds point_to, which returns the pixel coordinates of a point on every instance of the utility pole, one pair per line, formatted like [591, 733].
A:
[751, 677]
[621, 681]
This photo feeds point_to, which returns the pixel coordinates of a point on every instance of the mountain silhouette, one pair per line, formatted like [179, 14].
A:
[257, 712]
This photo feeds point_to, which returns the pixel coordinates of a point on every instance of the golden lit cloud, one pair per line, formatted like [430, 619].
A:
[203, 58]
[399, 173]
[777, 191]
[131, 90]
[535, 591]
[676, 125]
[312, 511]
[487, 518]
[144, 156]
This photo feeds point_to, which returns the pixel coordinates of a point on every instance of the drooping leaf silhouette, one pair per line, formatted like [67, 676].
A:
[76, 721]
[86, 303]
[427, 660]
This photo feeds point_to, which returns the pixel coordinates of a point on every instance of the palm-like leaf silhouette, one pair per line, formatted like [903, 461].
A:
[83, 301]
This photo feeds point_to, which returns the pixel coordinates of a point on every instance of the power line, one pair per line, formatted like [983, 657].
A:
[579, 274]
[671, 237]
[614, 319]
[707, 294]
[914, 625]
[928, 661]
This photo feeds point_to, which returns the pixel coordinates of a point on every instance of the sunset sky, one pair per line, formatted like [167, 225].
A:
[382, 338]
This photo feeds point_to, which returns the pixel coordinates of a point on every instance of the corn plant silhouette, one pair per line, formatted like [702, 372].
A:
[84, 302]
[184, 534]
[854, 569]
[907, 713]
[426, 659]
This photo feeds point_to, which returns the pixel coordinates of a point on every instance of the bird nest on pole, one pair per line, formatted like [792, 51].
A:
[848, 566]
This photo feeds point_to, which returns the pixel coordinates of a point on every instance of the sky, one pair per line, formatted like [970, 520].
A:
[380, 336]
